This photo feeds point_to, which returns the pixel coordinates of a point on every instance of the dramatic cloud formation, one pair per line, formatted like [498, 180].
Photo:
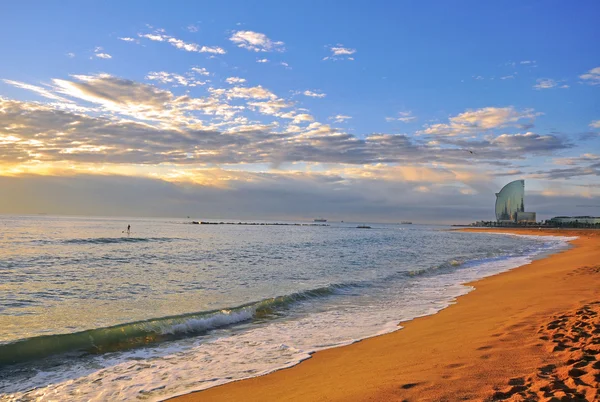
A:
[256, 42]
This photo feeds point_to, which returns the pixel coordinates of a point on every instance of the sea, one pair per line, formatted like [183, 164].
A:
[89, 312]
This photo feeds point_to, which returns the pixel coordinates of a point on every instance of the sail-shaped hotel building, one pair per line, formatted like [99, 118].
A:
[510, 203]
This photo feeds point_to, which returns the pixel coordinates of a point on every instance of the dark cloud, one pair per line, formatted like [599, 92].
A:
[269, 196]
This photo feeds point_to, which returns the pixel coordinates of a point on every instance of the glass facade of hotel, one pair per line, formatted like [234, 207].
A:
[510, 200]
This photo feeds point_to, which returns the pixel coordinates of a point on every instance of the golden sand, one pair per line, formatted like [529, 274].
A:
[532, 333]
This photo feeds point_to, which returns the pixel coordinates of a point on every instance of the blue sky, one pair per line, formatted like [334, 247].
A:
[321, 98]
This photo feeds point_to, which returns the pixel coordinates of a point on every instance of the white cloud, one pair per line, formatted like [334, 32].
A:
[39, 90]
[235, 80]
[595, 124]
[127, 39]
[70, 55]
[592, 77]
[507, 77]
[200, 71]
[547, 83]
[286, 65]
[342, 51]
[172, 78]
[478, 77]
[262, 60]
[193, 28]
[527, 62]
[340, 118]
[257, 92]
[339, 52]
[255, 41]
[302, 117]
[98, 52]
[270, 107]
[159, 36]
[404, 117]
[474, 121]
[212, 49]
[314, 94]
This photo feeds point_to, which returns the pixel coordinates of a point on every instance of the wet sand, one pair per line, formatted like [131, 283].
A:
[532, 333]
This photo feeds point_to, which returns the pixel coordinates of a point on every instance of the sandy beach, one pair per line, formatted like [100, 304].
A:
[532, 333]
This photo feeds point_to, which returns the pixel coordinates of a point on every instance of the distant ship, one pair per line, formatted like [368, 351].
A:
[320, 220]
[363, 227]
[406, 223]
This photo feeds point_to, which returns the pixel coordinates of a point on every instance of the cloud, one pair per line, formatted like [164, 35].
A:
[507, 77]
[340, 118]
[592, 77]
[270, 107]
[474, 121]
[302, 117]
[342, 51]
[159, 36]
[339, 52]
[172, 78]
[250, 195]
[139, 124]
[262, 60]
[313, 94]
[256, 42]
[530, 143]
[235, 80]
[547, 83]
[595, 124]
[404, 117]
[37, 89]
[127, 39]
[583, 165]
[70, 55]
[478, 77]
[99, 54]
[200, 71]
[122, 96]
[193, 28]
[257, 92]
[286, 65]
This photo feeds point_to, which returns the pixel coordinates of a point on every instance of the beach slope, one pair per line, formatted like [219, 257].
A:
[527, 334]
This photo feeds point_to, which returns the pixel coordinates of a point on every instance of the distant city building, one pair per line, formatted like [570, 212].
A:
[510, 200]
[569, 220]
[510, 204]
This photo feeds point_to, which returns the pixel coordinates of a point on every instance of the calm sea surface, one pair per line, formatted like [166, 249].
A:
[88, 312]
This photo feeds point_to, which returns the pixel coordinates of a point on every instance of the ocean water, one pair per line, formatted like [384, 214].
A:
[88, 312]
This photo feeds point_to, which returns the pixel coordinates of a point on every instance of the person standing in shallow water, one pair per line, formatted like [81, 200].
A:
[128, 229]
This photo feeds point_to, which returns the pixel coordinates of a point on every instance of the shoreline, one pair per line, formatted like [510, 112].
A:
[430, 358]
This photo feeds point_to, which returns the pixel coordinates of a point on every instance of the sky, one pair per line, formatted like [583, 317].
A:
[354, 110]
